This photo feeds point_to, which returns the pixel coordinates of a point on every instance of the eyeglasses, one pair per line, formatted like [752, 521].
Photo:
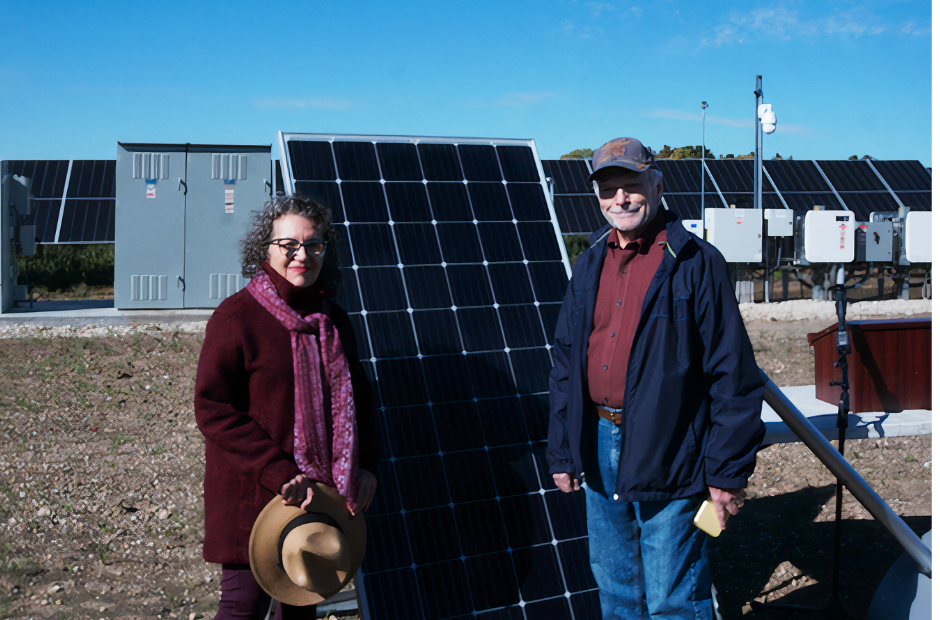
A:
[290, 247]
[606, 193]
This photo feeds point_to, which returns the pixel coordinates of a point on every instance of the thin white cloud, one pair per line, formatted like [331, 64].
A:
[590, 19]
[685, 115]
[914, 29]
[784, 23]
[320, 103]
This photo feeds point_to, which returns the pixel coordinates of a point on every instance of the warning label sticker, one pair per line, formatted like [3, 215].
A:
[151, 188]
[230, 197]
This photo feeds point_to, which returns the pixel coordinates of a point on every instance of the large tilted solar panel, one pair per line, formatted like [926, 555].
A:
[858, 185]
[453, 272]
[73, 200]
[575, 203]
[801, 185]
[909, 180]
[682, 184]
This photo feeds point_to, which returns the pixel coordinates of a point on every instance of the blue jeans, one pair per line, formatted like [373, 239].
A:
[648, 558]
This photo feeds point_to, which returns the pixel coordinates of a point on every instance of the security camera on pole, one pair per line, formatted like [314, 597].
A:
[765, 122]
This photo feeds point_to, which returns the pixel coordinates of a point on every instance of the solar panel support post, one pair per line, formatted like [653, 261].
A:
[758, 177]
[6, 256]
[759, 140]
[704, 107]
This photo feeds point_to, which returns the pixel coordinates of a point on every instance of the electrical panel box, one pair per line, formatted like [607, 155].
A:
[181, 210]
[917, 236]
[28, 239]
[694, 227]
[779, 222]
[829, 237]
[736, 233]
[874, 242]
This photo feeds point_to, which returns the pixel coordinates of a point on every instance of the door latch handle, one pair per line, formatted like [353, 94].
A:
[182, 186]
[267, 186]
[179, 281]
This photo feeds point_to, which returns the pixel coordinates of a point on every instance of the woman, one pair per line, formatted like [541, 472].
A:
[281, 404]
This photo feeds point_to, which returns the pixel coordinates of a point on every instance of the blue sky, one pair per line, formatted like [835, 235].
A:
[844, 78]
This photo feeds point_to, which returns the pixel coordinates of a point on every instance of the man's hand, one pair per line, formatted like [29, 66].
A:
[298, 491]
[567, 482]
[727, 499]
[367, 486]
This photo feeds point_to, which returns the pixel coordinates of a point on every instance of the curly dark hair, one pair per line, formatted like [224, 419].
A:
[254, 247]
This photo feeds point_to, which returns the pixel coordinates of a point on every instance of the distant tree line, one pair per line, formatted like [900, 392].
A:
[689, 152]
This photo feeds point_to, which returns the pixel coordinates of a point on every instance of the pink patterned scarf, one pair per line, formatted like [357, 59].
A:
[315, 341]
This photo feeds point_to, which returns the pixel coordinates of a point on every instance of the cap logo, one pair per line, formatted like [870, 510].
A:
[617, 151]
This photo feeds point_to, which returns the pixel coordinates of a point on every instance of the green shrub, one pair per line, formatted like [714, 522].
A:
[575, 244]
[62, 266]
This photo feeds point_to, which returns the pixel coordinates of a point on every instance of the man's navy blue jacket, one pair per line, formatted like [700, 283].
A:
[691, 407]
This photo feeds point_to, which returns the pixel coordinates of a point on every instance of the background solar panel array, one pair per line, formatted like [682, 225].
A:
[798, 185]
[453, 274]
[85, 207]
[575, 203]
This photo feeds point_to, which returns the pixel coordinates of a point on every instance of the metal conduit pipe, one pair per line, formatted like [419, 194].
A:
[836, 463]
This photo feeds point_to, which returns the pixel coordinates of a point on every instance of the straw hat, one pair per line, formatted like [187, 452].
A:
[302, 557]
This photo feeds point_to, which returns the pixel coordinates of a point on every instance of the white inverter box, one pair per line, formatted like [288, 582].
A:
[694, 227]
[779, 222]
[917, 236]
[736, 233]
[829, 236]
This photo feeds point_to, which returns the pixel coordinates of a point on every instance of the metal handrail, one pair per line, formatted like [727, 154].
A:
[846, 474]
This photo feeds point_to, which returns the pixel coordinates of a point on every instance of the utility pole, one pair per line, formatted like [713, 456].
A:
[704, 106]
[759, 149]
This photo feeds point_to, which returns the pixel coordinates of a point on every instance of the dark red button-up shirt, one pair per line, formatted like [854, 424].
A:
[625, 278]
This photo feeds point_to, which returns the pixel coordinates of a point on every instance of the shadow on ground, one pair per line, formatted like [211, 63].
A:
[776, 552]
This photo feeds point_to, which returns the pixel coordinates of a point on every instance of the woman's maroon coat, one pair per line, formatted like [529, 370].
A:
[245, 408]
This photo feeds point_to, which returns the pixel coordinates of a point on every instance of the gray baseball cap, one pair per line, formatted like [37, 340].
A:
[626, 153]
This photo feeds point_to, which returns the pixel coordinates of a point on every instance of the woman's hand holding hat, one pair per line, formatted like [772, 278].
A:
[298, 491]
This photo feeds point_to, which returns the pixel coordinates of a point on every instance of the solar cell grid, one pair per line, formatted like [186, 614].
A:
[864, 203]
[904, 175]
[684, 176]
[918, 201]
[803, 202]
[574, 200]
[851, 176]
[569, 175]
[92, 179]
[735, 175]
[460, 280]
[796, 176]
[689, 206]
[85, 206]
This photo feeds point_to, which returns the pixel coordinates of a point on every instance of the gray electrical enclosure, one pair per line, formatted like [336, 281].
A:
[874, 242]
[181, 211]
[15, 238]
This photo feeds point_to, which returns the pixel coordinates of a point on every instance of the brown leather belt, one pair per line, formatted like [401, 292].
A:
[610, 415]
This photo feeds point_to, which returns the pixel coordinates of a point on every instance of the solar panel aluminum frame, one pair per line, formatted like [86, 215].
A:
[288, 173]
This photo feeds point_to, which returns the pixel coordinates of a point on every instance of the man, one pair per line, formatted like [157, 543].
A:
[655, 396]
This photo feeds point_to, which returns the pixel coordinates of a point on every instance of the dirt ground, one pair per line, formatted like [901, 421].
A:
[101, 470]
[78, 291]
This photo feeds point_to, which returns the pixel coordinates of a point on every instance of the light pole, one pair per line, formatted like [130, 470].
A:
[704, 106]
